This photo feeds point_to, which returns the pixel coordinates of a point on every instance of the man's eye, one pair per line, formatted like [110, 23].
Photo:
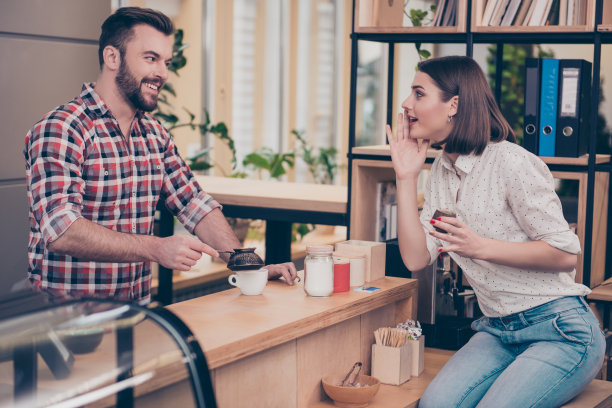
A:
[150, 58]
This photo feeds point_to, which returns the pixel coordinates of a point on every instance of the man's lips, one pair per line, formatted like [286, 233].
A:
[152, 86]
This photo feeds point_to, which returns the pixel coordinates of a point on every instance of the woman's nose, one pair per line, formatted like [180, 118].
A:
[406, 105]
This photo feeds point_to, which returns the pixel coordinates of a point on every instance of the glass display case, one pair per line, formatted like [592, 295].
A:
[98, 353]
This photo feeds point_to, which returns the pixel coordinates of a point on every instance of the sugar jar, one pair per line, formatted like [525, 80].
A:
[319, 270]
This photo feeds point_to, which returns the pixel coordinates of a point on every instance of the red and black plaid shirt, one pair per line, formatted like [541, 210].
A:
[78, 164]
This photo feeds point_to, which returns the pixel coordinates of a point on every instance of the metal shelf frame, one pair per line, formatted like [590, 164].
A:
[470, 38]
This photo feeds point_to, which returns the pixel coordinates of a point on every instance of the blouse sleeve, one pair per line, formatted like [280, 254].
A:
[535, 204]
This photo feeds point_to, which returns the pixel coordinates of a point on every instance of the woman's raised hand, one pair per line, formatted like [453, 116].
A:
[407, 154]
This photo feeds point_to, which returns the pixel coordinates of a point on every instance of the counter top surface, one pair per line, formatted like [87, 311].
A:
[230, 326]
[276, 194]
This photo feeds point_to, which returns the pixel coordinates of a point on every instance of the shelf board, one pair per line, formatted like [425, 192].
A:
[533, 29]
[409, 30]
[383, 151]
[604, 28]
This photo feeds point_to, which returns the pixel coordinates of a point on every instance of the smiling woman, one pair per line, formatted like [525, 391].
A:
[508, 236]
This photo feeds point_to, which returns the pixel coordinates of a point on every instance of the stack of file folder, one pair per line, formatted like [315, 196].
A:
[557, 106]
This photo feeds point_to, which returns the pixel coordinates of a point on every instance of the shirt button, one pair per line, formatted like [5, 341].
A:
[106, 173]
[134, 194]
[158, 167]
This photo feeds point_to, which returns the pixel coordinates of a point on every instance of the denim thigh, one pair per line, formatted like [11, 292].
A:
[538, 358]
[558, 355]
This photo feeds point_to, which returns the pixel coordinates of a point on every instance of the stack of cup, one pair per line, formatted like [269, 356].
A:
[342, 274]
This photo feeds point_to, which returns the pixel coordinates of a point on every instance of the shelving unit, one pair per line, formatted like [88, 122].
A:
[370, 164]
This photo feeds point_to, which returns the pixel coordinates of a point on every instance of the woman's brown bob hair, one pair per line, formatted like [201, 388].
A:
[478, 119]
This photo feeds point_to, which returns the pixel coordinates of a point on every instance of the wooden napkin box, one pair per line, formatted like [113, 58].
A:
[391, 365]
[374, 252]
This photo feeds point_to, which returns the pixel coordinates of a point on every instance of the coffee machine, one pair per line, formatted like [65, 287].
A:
[446, 308]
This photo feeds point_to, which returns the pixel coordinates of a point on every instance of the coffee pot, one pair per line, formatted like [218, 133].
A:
[242, 259]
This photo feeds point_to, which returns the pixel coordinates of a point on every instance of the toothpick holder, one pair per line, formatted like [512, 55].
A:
[391, 365]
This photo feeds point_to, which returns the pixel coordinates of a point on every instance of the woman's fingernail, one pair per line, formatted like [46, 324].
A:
[432, 221]
[439, 219]
[439, 249]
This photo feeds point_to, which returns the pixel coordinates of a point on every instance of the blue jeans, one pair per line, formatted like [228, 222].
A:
[541, 357]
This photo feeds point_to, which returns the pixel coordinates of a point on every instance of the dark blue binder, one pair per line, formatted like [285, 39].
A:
[572, 138]
[532, 105]
[548, 106]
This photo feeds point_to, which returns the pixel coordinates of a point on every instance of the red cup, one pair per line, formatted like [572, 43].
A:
[342, 275]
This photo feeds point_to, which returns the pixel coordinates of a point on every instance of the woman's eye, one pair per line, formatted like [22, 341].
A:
[418, 94]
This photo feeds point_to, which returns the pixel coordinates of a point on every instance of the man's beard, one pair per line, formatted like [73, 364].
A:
[132, 89]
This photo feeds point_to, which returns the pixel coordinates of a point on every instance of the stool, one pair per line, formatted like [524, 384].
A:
[598, 394]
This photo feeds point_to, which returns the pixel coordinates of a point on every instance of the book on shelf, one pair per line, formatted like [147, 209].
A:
[533, 13]
[437, 16]
[563, 13]
[449, 13]
[488, 12]
[522, 12]
[529, 14]
[498, 13]
[511, 12]
[446, 13]
[538, 17]
[553, 14]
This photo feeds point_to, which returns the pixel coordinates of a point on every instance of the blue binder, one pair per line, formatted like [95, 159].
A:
[548, 106]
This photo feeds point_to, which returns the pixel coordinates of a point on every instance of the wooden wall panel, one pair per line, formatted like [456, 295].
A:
[58, 18]
[239, 384]
[331, 350]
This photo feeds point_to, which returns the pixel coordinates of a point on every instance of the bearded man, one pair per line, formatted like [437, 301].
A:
[97, 166]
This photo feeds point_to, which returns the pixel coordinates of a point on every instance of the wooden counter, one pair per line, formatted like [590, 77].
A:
[273, 349]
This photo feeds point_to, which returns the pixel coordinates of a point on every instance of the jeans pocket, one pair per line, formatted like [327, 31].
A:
[574, 328]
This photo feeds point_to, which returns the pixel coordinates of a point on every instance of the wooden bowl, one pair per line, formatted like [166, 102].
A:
[351, 397]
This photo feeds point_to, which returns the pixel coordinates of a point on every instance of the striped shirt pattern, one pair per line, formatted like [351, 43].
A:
[79, 164]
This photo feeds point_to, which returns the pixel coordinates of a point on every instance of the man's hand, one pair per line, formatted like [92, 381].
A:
[180, 252]
[286, 270]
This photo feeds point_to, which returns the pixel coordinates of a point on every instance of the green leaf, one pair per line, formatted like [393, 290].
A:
[257, 160]
[168, 88]
[200, 165]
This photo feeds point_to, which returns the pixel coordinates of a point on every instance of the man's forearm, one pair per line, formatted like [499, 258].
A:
[214, 230]
[87, 240]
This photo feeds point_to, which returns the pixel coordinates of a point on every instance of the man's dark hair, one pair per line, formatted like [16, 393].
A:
[117, 29]
[478, 119]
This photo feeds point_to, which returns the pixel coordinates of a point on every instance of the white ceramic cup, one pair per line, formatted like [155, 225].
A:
[251, 282]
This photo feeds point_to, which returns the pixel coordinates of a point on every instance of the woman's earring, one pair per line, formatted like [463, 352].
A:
[449, 119]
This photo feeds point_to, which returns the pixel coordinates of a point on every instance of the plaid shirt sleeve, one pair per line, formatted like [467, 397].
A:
[54, 159]
[183, 195]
